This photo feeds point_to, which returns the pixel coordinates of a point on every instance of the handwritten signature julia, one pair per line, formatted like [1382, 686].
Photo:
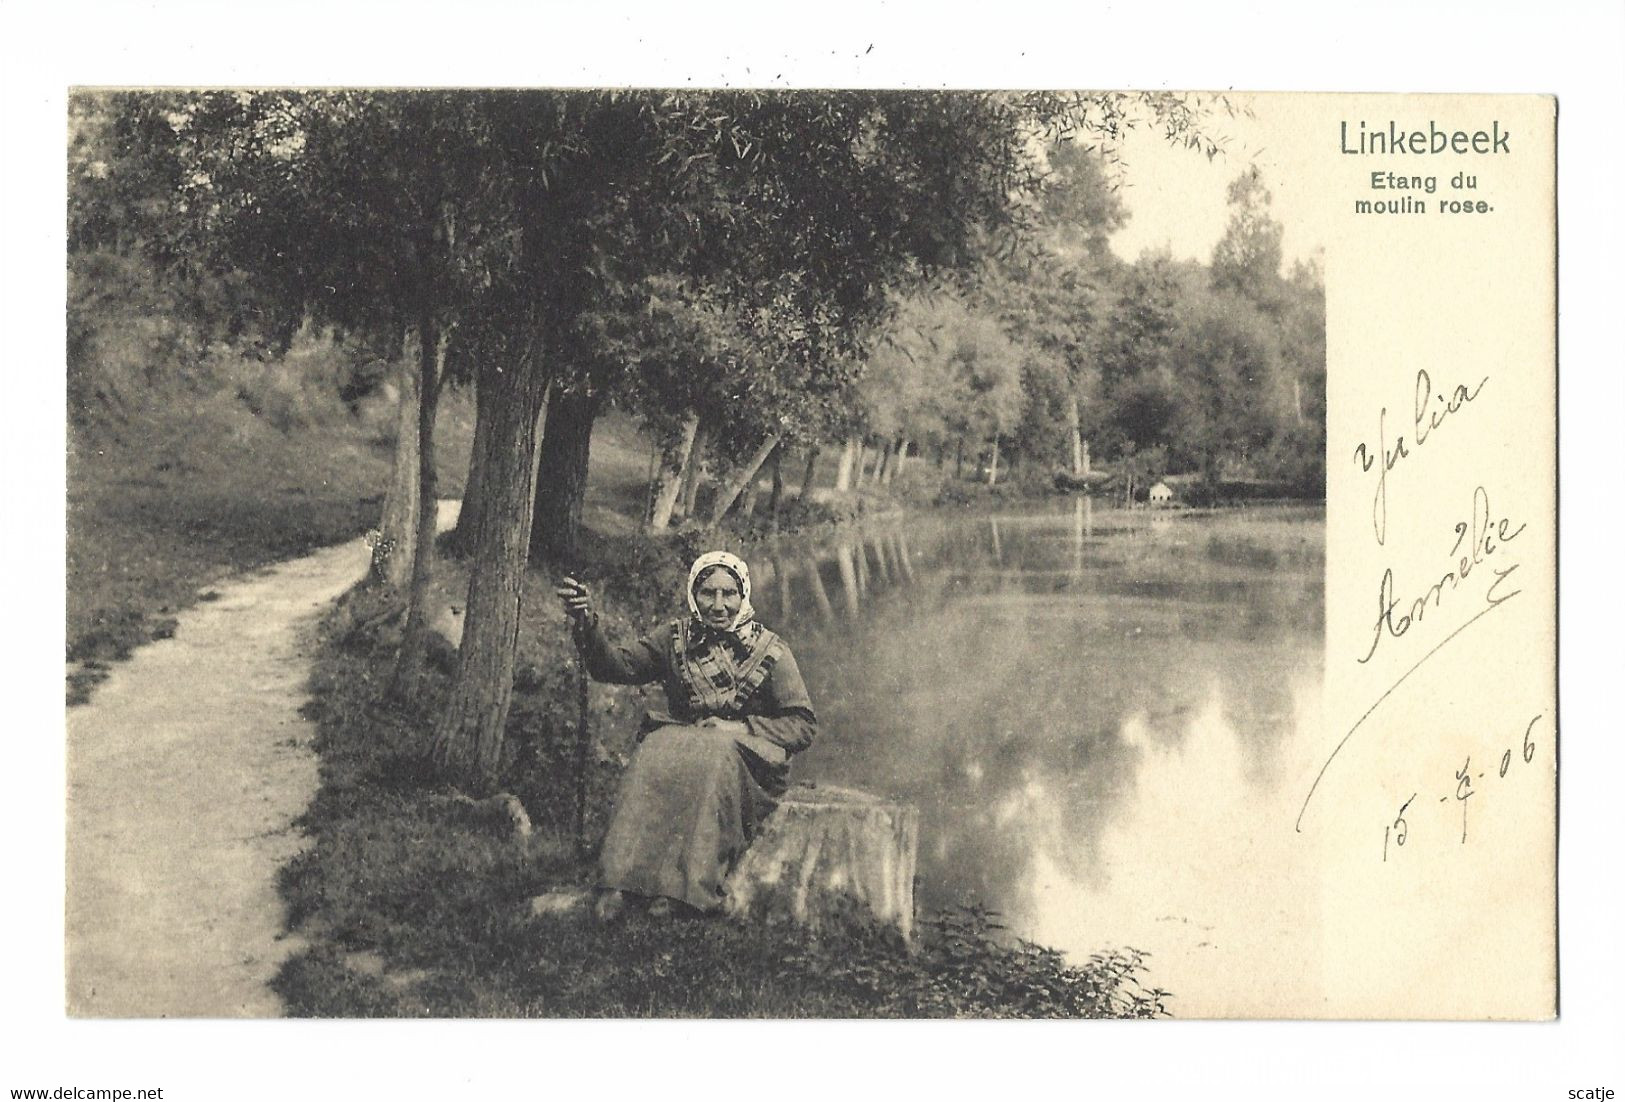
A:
[1430, 412]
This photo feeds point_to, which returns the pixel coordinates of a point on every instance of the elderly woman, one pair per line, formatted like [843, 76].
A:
[709, 769]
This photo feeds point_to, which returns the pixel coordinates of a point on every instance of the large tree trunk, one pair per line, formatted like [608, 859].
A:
[396, 547]
[561, 480]
[807, 476]
[993, 464]
[408, 675]
[729, 491]
[849, 457]
[468, 738]
[674, 457]
[883, 464]
[822, 851]
[692, 475]
[1074, 431]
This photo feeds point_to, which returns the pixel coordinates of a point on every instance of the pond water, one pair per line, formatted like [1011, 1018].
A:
[1102, 716]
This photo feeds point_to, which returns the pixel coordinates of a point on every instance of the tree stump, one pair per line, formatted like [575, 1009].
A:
[824, 851]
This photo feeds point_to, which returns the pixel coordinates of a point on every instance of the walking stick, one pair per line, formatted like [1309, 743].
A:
[578, 629]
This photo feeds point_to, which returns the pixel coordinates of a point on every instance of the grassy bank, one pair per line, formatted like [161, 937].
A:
[174, 488]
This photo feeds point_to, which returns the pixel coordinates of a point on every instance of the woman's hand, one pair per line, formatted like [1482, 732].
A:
[577, 600]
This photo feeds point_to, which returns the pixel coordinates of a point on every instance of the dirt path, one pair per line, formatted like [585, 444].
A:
[185, 772]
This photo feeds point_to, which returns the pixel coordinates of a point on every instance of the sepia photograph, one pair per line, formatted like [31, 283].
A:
[710, 553]
[649, 550]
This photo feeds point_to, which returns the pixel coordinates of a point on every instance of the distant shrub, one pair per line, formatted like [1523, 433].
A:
[796, 515]
[1030, 480]
[959, 492]
[1204, 493]
[920, 483]
[377, 415]
[298, 390]
[1297, 459]
[122, 337]
[834, 510]
[1024, 483]
[137, 341]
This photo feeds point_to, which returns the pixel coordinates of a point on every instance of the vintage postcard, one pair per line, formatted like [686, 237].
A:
[832, 554]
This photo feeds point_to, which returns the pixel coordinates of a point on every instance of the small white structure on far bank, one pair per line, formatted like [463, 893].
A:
[1161, 495]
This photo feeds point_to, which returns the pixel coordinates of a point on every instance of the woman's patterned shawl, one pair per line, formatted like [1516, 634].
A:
[715, 673]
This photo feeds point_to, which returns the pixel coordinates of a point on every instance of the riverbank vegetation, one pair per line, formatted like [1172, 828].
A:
[412, 903]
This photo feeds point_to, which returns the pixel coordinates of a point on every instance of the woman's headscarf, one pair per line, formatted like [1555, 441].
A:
[734, 565]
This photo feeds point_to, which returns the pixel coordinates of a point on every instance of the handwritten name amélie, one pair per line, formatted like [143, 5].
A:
[1488, 534]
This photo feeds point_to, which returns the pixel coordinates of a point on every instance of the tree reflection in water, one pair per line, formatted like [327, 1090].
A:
[1034, 681]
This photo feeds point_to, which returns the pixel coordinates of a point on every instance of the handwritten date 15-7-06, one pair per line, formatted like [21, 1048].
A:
[1487, 534]
[1398, 832]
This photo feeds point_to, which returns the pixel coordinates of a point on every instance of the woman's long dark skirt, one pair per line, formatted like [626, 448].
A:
[689, 804]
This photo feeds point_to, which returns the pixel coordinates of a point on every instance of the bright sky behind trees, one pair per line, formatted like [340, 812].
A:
[1176, 197]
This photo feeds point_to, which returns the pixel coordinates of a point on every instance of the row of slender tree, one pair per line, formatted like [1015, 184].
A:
[725, 264]
[1070, 355]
